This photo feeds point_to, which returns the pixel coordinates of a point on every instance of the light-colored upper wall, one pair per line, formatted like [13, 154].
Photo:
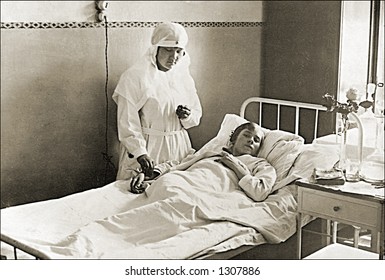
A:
[64, 11]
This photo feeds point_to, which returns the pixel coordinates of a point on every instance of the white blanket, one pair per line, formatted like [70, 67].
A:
[180, 216]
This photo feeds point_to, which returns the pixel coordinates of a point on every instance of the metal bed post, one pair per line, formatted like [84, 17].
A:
[296, 130]
[316, 124]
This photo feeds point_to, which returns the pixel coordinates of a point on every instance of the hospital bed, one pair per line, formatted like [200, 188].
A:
[74, 226]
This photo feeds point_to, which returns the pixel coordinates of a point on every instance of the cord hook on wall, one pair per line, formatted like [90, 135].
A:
[101, 7]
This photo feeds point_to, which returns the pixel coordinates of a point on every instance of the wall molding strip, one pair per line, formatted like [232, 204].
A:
[120, 24]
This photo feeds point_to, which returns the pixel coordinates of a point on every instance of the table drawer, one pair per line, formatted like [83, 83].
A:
[338, 207]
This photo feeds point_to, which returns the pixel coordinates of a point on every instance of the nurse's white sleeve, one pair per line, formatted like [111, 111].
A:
[194, 118]
[195, 106]
[129, 127]
[259, 184]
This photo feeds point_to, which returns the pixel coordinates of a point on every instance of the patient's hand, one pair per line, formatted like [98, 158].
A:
[234, 164]
[138, 183]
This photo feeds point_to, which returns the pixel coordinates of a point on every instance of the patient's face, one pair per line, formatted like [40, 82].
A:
[247, 142]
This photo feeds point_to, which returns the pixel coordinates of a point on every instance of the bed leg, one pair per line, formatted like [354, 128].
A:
[299, 235]
[15, 253]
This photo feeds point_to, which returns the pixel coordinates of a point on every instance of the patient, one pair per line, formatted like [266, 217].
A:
[254, 176]
[208, 198]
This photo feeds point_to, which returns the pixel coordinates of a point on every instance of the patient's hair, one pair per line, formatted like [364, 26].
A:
[249, 126]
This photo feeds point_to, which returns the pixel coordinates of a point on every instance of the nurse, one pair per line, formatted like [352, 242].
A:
[157, 102]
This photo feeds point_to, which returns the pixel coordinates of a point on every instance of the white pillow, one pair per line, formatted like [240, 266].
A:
[312, 156]
[279, 148]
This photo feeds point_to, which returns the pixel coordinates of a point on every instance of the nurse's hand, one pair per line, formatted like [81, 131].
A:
[147, 164]
[183, 112]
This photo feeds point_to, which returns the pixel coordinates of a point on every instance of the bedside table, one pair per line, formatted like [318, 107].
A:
[349, 204]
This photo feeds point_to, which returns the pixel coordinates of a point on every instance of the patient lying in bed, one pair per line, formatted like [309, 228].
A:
[248, 173]
[205, 205]
[193, 206]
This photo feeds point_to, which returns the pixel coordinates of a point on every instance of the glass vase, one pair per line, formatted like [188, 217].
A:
[347, 164]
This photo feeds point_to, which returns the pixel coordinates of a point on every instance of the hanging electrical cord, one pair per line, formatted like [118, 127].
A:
[106, 157]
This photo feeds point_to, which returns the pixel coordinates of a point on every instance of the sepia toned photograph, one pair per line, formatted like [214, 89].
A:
[230, 131]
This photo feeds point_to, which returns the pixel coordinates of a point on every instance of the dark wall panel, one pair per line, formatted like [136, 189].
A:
[53, 113]
[301, 51]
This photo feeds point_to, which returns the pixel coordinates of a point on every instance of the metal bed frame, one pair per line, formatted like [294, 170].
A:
[280, 103]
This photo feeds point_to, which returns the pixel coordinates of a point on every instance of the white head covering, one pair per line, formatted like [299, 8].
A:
[169, 34]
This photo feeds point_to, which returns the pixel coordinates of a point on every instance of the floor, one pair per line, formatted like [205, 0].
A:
[363, 241]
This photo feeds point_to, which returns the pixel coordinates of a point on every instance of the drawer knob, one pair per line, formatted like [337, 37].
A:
[336, 208]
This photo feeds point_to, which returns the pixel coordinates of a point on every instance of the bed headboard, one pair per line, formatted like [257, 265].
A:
[279, 104]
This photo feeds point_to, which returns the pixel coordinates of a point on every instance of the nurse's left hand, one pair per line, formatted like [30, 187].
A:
[183, 112]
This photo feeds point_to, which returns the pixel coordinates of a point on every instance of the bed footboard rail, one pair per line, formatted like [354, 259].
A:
[279, 103]
[17, 245]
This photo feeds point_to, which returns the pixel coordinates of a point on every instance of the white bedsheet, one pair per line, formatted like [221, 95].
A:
[179, 217]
